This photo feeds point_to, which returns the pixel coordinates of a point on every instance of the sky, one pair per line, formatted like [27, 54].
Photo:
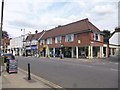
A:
[33, 15]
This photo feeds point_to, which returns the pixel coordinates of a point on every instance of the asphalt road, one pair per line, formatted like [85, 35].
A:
[72, 73]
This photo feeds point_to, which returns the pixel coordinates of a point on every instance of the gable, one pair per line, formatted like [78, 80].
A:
[115, 39]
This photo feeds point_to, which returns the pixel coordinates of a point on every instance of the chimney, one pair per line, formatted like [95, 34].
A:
[36, 31]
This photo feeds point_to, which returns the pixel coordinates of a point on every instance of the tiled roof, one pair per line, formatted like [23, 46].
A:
[29, 37]
[71, 28]
[37, 36]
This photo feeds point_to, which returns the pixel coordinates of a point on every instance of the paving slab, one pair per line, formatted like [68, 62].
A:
[20, 80]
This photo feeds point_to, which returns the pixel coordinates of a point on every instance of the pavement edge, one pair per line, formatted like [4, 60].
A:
[52, 85]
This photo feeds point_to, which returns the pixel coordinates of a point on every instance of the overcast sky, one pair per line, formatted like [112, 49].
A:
[41, 15]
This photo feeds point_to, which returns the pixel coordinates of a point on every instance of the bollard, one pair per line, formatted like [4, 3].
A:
[29, 76]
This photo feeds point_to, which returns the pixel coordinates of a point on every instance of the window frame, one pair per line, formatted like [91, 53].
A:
[58, 38]
[49, 41]
[69, 38]
[96, 37]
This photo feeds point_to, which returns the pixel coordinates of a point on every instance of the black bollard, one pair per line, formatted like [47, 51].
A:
[29, 76]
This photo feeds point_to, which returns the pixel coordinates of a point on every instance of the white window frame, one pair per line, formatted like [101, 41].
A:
[58, 39]
[96, 38]
[49, 41]
[71, 39]
[42, 42]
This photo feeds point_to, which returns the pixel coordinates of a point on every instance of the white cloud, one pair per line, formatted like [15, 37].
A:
[104, 9]
[39, 14]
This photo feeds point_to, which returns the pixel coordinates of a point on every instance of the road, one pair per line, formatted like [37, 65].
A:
[73, 73]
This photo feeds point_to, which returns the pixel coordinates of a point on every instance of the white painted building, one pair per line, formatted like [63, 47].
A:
[17, 44]
[114, 43]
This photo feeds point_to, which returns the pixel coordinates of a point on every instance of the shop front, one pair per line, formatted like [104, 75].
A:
[34, 50]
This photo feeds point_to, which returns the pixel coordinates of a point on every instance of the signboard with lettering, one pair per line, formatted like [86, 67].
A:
[13, 66]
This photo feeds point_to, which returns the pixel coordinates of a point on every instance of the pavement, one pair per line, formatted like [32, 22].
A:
[20, 80]
[0, 82]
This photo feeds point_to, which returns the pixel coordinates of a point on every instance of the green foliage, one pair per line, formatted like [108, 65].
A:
[5, 34]
[107, 33]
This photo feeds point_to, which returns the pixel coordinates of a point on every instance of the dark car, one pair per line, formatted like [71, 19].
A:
[8, 56]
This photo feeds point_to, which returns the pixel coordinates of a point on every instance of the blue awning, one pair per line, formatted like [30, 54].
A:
[34, 47]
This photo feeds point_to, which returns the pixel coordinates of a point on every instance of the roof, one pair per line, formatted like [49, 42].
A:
[77, 26]
[37, 36]
[114, 37]
[29, 37]
[116, 31]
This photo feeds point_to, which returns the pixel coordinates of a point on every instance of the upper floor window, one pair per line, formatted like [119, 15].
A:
[34, 42]
[42, 42]
[69, 38]
[49, 41]
[58, 39]
[96, 37]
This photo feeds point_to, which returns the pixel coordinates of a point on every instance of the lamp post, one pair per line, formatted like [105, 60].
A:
[23, 50]
[1, 33]
[1, 24]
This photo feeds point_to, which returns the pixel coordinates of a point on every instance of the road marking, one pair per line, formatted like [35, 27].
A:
[114, 69]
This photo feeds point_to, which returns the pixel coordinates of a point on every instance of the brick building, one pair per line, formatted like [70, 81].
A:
[5, 44]
[79, 39]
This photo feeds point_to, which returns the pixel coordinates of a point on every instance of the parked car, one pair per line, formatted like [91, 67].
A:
[7, 56]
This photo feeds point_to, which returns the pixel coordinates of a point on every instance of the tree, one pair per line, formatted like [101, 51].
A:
[107, 35]
[5, 34]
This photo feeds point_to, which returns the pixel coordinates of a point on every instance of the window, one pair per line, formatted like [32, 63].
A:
[69, 38]
[58, 39]
[96, 37]
[42, 42]
[34, 42]
[49, 41]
